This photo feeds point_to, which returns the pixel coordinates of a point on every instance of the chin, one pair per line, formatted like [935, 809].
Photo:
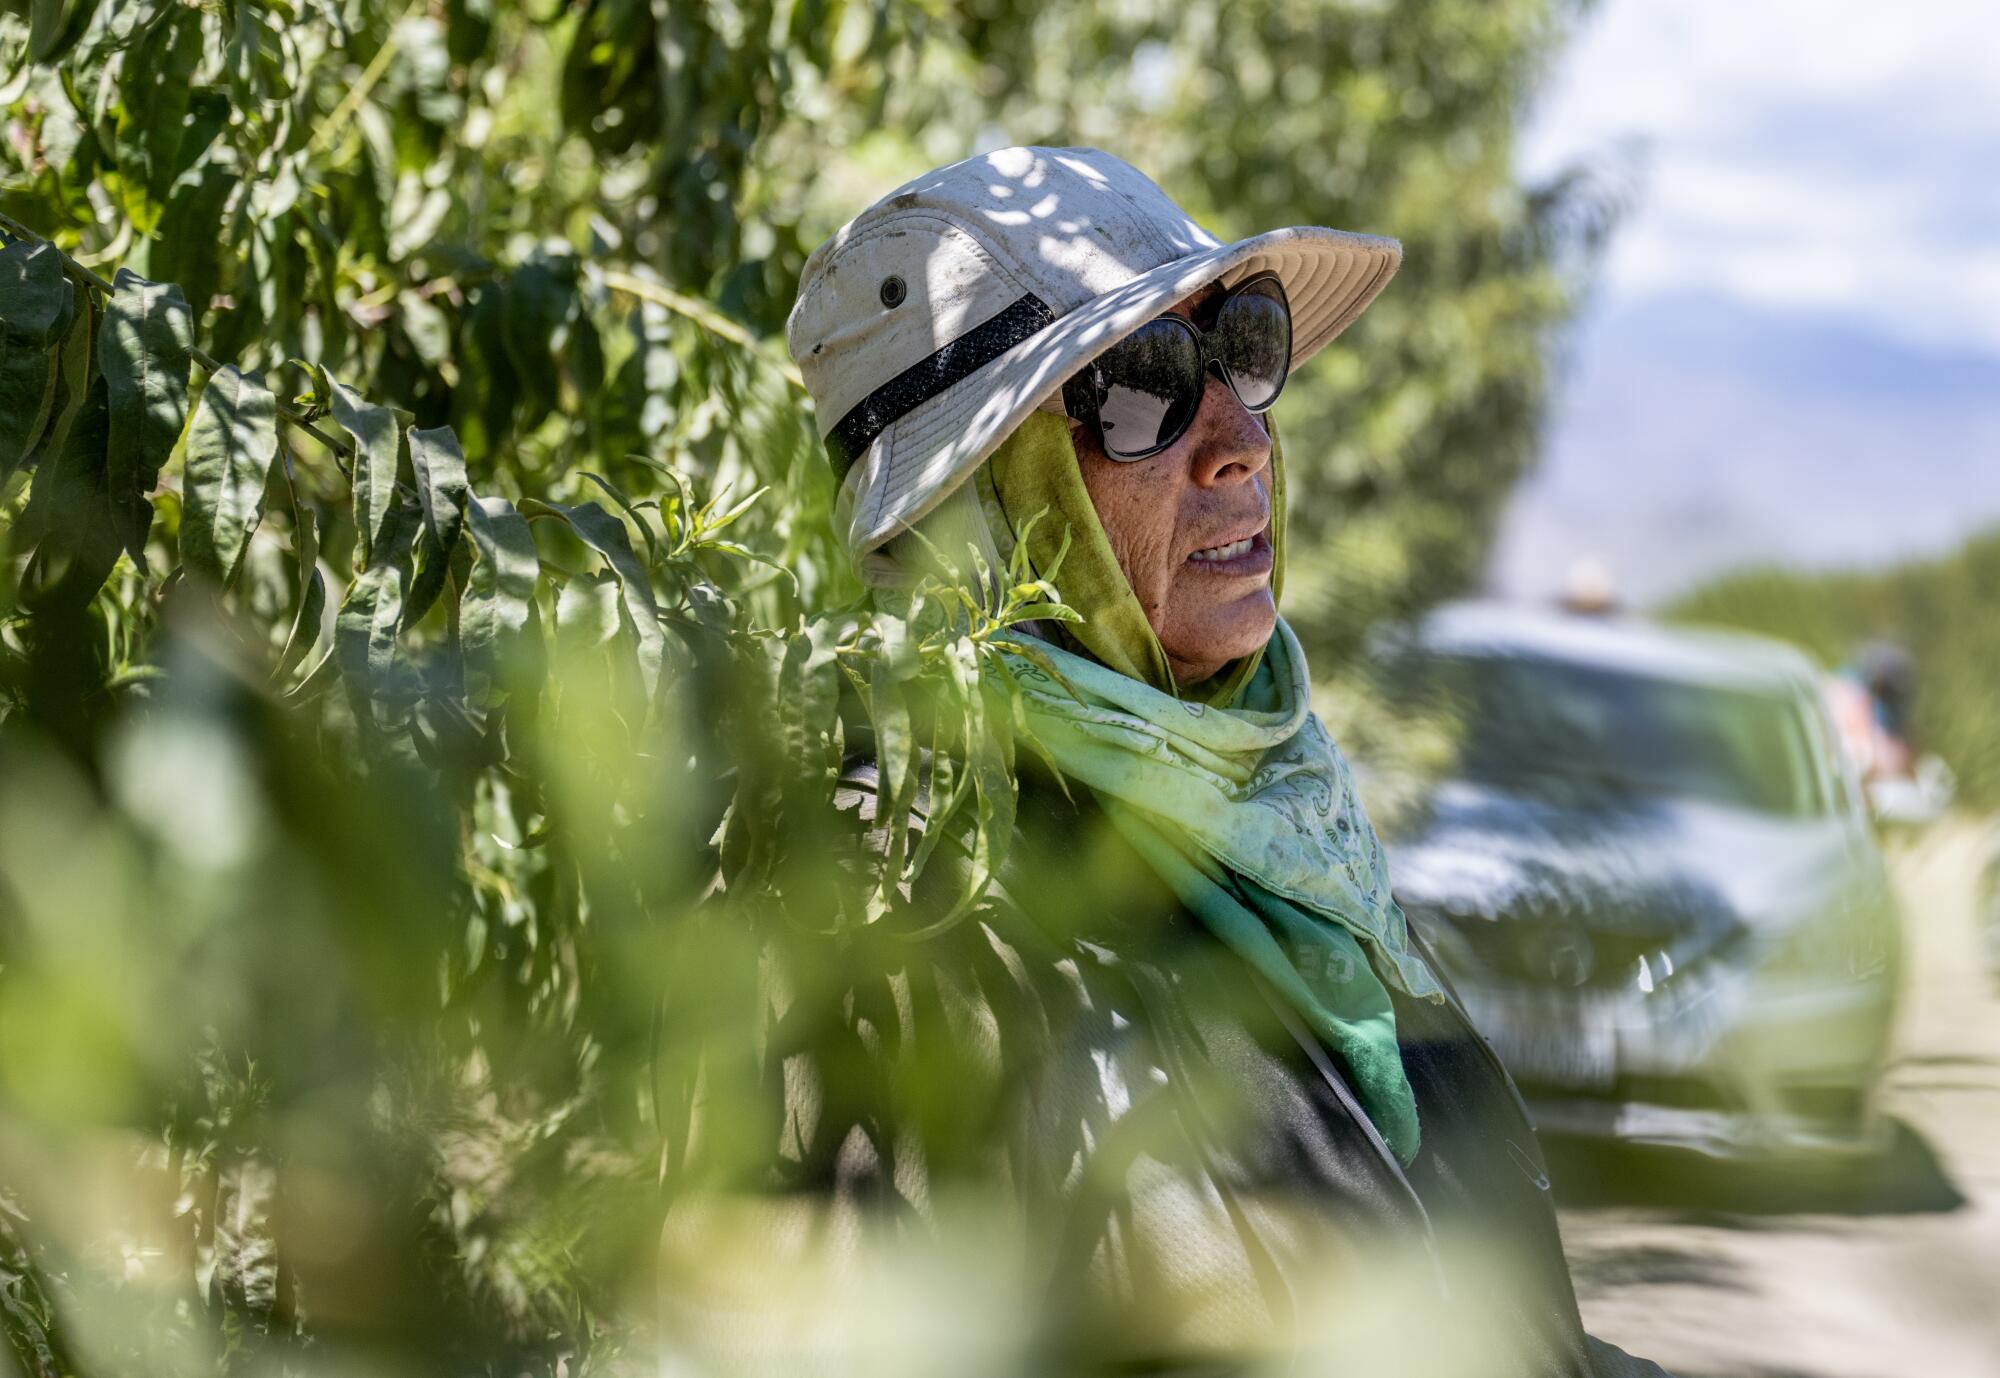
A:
[1229, 632]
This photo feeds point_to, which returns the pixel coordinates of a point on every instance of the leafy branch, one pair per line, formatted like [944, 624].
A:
[106, 290]
[704, 315]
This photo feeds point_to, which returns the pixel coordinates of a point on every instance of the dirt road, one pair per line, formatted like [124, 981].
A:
[1784, 1277]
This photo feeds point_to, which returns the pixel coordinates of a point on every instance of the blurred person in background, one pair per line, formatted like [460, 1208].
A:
[1870, 696]
[1243, 1117]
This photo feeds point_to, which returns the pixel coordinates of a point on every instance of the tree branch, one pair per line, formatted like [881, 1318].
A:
[361, 89]
[702, 314]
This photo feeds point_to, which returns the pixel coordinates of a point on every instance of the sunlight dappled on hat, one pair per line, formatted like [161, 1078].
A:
[930, 325]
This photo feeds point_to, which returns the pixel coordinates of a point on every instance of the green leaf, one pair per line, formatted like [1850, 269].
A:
[252, 54]
[709, 522]
[993, 774]
[191, 243]
[537, 300]
[232, 443]
[364, 632]
[499, 602]
[155, 89]
[808, 685]
[585, 357]
[489, 369]
[377, 433]
[68, 515]
[37, 305]
[27, 395]
[606, 534]
[73, 381]
[1017, 707]
[378, 145]
[439, 468]
[126, 19]
[630, 509]
[312, 593]
[55, 26]
[425, 327]
[895, 756]
[28, 1318]
[143, 349]
[469, 28]
[37, 301]
[989, 757]
[587, 610]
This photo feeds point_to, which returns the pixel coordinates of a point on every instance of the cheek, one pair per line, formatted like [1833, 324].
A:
[1137, 505]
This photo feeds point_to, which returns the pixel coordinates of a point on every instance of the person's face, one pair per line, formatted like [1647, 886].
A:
[1178, 522]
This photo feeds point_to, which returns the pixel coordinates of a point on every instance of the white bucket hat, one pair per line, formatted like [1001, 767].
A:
[930, 325]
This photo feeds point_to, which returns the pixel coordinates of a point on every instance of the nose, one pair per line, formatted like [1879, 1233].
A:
[1230, 442]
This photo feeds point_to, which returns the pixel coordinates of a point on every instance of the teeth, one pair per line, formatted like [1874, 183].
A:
[1225, 552]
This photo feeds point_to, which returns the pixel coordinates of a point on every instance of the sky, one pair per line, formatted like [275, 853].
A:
[1792, 352]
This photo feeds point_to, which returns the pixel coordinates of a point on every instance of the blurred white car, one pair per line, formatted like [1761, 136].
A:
[1652, 877]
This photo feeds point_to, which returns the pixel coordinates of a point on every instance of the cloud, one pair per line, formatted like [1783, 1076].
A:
[1806, 156]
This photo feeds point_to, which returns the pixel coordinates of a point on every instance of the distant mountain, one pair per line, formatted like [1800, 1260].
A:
[1692, 435]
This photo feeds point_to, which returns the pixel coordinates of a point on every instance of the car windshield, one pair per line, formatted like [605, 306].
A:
[1531, 724]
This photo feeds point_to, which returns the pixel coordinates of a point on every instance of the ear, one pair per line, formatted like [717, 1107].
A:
[1083, 440]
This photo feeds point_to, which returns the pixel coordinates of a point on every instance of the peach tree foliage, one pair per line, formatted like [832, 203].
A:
[490, 591]
[424, 662]
[448, 653]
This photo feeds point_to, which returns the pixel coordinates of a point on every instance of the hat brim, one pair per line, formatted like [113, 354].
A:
[1329, 276]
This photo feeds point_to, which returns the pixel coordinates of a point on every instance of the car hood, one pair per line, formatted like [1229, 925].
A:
[1676, 867]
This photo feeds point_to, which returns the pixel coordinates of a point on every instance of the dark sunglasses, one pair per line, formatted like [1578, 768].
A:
[1141, 395]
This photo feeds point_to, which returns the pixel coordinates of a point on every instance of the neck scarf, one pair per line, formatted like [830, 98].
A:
[1233, 792]
[1250, 815]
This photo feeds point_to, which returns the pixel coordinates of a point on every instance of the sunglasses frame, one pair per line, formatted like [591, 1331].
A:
[1079, 393]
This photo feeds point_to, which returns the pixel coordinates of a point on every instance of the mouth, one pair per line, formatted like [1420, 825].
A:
[1245, 555]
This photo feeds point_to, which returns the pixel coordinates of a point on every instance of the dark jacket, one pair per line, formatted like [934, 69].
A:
[1202, 1184]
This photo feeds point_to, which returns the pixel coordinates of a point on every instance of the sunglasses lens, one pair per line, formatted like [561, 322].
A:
[1253, 338]
[1150, 387]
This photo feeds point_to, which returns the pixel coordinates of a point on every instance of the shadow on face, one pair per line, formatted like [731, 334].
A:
[1191, 526]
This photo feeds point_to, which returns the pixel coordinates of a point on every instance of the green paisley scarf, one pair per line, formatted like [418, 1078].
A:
[1249, 814]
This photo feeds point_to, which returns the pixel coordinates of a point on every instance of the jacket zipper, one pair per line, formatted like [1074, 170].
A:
[1336, 1083]
[1485, 1047]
